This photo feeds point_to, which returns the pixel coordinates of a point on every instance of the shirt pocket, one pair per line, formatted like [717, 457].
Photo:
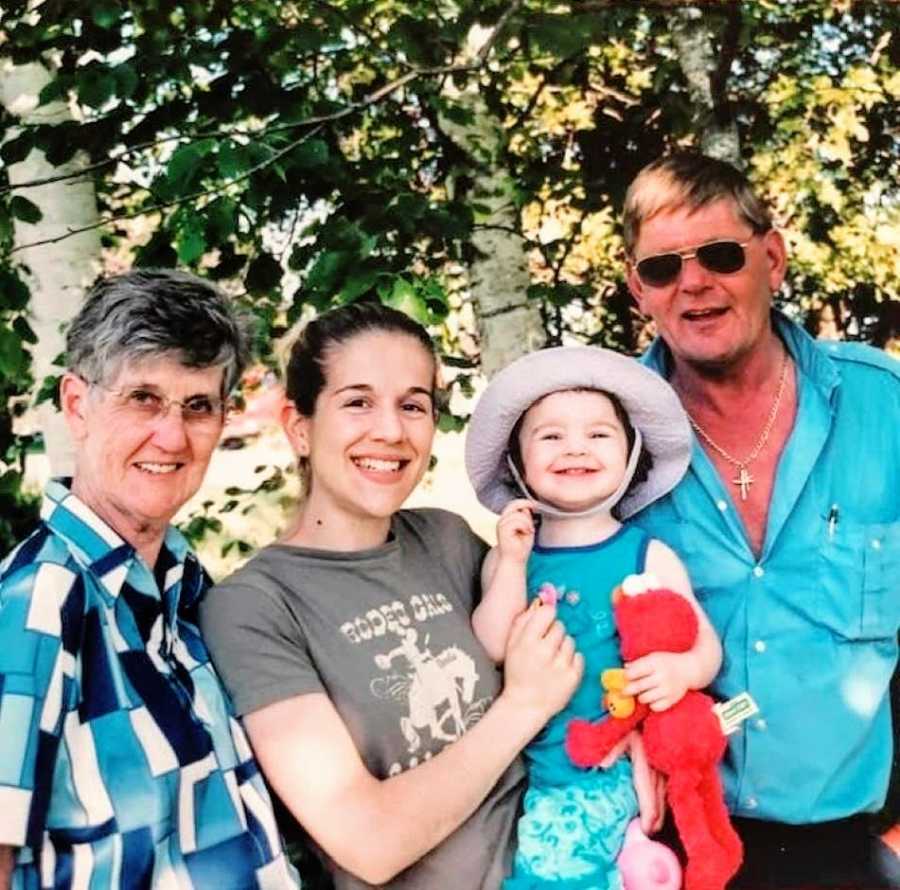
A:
[860, 577]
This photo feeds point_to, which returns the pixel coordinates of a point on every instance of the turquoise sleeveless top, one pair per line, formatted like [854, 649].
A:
[584, 578]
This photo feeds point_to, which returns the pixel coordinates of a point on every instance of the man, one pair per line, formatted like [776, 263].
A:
[788, 520]
[121, 765]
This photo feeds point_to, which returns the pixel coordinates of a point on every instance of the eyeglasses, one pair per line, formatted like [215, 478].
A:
[716, 256]
[146, 405]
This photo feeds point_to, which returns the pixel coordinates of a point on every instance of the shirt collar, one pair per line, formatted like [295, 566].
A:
[97, 546]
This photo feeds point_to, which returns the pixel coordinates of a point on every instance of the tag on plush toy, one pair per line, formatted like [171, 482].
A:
[735, 711]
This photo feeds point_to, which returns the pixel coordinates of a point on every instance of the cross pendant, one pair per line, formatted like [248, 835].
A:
[743, 481]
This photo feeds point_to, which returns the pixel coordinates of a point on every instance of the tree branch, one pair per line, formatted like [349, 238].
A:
[175, 202]
[316, 122]
[372, 99]
[510, 11]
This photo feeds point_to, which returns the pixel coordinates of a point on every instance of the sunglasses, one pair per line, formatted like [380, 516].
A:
[717, 256]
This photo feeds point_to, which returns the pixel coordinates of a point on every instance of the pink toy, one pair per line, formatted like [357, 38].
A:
[647, 864]
[548, 594]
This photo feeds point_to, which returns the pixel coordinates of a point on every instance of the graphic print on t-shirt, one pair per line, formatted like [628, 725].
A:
[426, 669]
[438, 689]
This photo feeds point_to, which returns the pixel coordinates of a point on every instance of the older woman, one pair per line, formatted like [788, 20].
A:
[120, 763]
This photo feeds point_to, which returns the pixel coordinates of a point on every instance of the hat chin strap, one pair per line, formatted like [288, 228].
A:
[604, 506]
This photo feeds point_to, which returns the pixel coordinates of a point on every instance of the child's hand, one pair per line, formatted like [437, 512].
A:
[660, 679]
[515, 531]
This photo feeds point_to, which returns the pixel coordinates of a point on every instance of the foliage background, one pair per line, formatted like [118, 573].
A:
[463, 161]
[310, 153]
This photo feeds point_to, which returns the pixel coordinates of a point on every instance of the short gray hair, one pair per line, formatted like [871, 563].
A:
[151, 313]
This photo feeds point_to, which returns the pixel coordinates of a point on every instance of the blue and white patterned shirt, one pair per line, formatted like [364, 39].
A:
[121, 764]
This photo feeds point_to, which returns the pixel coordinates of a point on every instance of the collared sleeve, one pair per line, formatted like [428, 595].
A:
[41, 609]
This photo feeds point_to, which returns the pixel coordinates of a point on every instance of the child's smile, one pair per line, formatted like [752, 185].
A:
[574, 449]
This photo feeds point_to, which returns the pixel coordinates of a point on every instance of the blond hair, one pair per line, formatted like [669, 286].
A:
[691, 180]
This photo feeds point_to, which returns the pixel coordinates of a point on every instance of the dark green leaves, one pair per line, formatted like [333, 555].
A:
[95, 84]
[23, 209]
[263, 275]
[14, 361]
[13, 292]
[17, 149]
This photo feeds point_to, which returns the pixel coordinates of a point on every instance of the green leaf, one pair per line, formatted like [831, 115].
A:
[310, 154]
[221, 219]
[356, 284]
[21, 208]
[126, 80]
[263, 275]
[190, 243]
[58, 143]
[17, 149]
[96, 85]
[435, 296]
[157, 252]
[54, 90]
[106, 15]
[322, 280]
[14, 361]
[231, 159]
[23, 329]
[49, 390]
[400, 294]
[184, 164]
[14, 292]
[6, 225]
[449, 423]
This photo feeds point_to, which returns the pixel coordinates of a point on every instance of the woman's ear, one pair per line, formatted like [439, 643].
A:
[296, 428]
[73, 400]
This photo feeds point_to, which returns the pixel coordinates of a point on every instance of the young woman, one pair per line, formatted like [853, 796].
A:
[375, 715]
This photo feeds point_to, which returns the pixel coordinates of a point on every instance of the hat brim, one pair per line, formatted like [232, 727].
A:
[651, 404]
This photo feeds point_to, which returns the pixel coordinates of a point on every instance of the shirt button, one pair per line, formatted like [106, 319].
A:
[750, 803]
[758, 571]
[761, 724]
[722, 505]
[876, 544]
[759, 646]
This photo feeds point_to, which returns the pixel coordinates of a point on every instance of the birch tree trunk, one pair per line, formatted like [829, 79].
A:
[706, 73]
[58, 273]
[509, 324]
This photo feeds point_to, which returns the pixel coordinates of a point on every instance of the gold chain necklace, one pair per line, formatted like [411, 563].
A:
[744, 480]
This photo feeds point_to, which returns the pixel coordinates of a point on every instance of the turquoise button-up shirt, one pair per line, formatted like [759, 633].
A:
[810, 627]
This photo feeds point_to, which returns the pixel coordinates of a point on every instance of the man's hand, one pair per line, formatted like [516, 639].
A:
[660, 679]
[515, 531]
[542, 668]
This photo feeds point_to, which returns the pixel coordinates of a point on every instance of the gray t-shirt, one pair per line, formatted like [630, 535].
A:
[386, 635]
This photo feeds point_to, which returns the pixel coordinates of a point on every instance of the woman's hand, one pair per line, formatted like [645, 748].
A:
[542, 667]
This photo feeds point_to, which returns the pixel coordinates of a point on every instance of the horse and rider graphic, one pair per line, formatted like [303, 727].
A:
[439, 689]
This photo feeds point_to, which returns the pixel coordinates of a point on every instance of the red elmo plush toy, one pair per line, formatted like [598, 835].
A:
[685, 742]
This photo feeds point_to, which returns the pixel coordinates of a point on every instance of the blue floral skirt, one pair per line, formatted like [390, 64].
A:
[570, 835]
